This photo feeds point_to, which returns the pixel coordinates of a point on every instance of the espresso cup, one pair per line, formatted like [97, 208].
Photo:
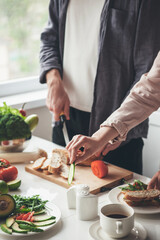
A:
[117, 220]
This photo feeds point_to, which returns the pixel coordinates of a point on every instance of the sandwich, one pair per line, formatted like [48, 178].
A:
[150, 197]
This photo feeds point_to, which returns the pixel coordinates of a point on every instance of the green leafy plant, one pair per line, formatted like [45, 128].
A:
[12, 124]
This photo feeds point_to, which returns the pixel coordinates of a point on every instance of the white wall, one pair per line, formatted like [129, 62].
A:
[151, 151]
[44, 129]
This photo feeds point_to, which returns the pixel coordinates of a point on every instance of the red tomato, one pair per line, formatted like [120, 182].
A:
[5, 142]
[30, 216]
[4, 163]
[10, 173]
[19, 217]
[1, 178]
[23, 112]
[99, 168]
[26, 215]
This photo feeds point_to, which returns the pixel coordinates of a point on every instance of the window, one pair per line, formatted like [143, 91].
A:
[22, 21]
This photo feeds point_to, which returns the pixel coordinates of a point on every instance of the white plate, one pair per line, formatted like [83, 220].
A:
[51, 209]
[116, 196]
[138, 232]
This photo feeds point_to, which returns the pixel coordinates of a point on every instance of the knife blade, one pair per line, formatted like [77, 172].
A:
[66, 138]
[64, 128]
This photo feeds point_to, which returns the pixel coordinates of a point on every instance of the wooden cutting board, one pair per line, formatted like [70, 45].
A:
[84, 175]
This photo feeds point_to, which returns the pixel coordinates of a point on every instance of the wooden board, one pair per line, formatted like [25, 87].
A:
[84, 175]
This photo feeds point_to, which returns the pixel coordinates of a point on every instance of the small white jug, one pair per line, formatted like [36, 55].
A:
[86, 204]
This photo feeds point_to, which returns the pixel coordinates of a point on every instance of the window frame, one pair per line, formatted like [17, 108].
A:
[21, 85]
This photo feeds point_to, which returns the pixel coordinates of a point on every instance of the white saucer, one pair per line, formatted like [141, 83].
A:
[137, 233]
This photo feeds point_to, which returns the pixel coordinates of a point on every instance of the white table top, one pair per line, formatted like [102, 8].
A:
[70, 227]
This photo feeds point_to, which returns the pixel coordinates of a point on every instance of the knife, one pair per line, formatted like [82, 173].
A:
[66, 138]
[64, 128]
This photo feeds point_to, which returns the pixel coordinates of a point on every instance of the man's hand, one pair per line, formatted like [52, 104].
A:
[57, 99]
[155, 181]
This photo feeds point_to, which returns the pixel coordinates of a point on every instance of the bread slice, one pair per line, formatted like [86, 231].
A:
[55, 163]
[64, 171]
[63, 153]
[65, 157]
[38, 163]
[45, 171]
[46, 164]
[142, 203]
[145, 195]
[42, 153]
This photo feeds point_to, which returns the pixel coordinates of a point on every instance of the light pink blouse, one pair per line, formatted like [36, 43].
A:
[144, 98]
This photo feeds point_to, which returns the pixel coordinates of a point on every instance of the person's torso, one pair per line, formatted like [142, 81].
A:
[81, 51]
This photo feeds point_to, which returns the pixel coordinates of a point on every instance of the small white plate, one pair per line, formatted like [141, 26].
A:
[116, 196]
[51, 209]
[138, 232]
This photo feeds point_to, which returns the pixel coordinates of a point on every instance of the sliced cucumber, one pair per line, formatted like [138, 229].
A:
[45, 223]
[42, 218]
[40, 212]
[10, 221]
[30, 228]
[25, 222]
[16, 228]
[71, 173]
[5, 229]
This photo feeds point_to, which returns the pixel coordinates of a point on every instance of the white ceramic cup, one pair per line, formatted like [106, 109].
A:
[113, 223]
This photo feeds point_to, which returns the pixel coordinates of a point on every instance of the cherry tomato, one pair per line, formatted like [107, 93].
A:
[5, 142]
[22, 112]
[10, 173]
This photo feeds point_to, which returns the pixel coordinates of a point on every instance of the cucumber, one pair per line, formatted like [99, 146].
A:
[71, 173]
[30, 228]
[42, 218]
[16, 228]
[44, 223]
[25, 222]
[5, 229]
[40, 212]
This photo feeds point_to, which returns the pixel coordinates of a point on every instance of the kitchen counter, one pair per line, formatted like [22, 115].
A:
[70, 227]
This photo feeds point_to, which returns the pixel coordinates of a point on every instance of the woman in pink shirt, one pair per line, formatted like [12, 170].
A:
[143, 99]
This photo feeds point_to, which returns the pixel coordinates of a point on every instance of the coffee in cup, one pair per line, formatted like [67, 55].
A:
[117, 220]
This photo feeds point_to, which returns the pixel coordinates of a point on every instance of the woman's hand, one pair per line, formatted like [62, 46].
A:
[57, 99]
[91, 145]
[155, 181]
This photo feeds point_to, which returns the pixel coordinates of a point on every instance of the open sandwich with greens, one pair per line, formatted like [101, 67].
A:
[137, 194]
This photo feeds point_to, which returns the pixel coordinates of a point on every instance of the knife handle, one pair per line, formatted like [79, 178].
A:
[62, 117]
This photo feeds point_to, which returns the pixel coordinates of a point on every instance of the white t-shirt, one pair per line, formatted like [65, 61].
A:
[81, 51]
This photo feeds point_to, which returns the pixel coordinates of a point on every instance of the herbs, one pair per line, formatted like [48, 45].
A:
[29, 204]
[9, 110]
[136, 186]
